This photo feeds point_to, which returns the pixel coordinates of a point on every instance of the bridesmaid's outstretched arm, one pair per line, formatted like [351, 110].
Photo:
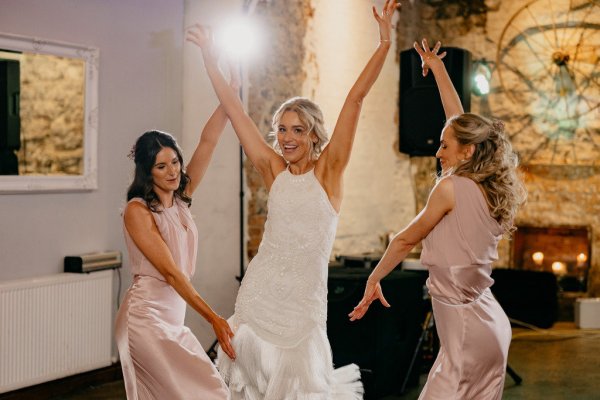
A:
[440, 202]
[431, 60]
[209, 138]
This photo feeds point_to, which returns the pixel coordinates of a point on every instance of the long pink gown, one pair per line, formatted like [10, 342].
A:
[473, 329]
[160, 357]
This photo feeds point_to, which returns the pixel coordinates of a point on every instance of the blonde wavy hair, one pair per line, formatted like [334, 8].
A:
[310, 115]
[493, 165]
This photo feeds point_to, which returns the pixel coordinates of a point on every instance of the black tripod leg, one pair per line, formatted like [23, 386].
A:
[513, 375]
[212, 351]
[426, 326]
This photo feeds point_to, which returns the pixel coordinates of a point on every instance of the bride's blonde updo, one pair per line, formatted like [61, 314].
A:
[493, 165]
[311, 117]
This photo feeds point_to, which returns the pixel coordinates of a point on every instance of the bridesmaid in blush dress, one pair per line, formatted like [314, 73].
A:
[471, 206]
[160, 357]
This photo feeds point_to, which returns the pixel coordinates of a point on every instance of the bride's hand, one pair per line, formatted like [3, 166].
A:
[385, 19]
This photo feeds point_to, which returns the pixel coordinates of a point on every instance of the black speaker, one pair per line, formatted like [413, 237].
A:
[9, 163]
[528, 296]
[383, 342]
[10, 122]
[421, 112]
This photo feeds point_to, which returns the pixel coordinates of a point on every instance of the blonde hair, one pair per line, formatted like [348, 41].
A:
[311, 117]
[493, 165]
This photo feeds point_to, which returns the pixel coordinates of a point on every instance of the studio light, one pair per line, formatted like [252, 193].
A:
[481, 77]
[240, 38]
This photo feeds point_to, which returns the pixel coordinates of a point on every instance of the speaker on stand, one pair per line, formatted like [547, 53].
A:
[421, 112]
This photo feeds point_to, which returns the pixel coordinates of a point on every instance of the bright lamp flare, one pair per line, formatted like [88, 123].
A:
[239, 38]
[481, 77]
[482, 84]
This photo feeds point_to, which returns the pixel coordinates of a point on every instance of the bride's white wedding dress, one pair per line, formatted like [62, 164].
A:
[281, 309]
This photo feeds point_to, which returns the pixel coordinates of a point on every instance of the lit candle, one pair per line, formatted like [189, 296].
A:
[581, 259]
[559, 268]
[538, 257]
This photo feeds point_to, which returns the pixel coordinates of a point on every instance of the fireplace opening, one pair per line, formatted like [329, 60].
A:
[564, 250]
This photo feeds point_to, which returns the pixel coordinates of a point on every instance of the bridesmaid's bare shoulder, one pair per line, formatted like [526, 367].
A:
[442, 194]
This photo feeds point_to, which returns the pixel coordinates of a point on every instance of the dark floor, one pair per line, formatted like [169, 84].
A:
[559, 363]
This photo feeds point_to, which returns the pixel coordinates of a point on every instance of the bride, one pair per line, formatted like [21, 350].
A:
[281, 309]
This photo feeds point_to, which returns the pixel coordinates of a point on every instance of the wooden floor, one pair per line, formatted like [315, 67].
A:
[556, 364]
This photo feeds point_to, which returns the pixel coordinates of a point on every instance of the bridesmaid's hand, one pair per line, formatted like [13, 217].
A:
[372, 292]
[224, 335]
[429, 57]
[202, 36]
[235, 81]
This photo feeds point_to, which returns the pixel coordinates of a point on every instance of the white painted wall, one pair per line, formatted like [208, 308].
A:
[378, 192]
[140, 46]
[143, 85]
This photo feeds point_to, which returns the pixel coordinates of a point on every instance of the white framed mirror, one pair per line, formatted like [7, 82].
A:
[48, 115]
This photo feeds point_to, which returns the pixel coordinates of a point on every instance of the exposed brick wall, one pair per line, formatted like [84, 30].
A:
[567, 196]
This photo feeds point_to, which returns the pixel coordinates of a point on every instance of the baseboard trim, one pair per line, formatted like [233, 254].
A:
[69, 384]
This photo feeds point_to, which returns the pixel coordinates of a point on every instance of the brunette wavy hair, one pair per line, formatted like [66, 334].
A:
[144, 154]
[493, 165]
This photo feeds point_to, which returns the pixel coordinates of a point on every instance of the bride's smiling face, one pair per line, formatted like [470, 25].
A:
[293, 138]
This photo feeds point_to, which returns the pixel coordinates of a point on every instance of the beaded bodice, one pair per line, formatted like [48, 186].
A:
[284, 293]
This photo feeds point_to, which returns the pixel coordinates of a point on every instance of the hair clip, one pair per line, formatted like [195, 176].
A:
[131, 154]
[498, 125]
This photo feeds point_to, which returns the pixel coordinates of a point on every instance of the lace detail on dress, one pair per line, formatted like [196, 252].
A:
[284, 293]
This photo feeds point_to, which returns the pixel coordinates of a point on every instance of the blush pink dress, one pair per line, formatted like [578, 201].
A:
[473, 329]
[160, 357]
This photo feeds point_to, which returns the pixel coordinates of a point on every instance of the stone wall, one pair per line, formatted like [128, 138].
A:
[272, 81]
[52, 114]
[316, 54]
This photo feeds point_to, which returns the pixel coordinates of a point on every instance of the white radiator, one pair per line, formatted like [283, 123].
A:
[54, 326]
